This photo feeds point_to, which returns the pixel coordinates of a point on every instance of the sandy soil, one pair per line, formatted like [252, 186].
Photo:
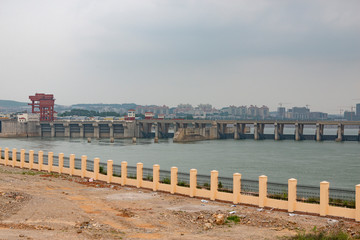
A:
[35, 205]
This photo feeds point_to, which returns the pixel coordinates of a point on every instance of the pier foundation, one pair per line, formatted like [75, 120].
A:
[319, 131]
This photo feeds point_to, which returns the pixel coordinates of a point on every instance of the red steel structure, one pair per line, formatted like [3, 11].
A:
[44, 105]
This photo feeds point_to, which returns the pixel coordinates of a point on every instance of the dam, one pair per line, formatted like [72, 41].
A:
[183, 130]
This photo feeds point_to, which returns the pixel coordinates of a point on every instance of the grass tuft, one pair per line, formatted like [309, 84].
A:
[32, 173]
[234, 218]
[320, 235]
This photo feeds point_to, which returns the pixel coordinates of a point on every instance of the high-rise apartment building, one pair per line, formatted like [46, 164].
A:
[281, 112]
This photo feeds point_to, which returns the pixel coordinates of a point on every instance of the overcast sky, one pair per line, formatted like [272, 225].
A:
[170, 52]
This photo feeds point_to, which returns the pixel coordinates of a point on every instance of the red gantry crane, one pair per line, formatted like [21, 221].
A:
[43, 104]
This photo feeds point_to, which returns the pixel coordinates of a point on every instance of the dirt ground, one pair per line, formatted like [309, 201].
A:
[35, 205]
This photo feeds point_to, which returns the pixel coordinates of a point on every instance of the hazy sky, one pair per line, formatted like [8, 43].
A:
[170, 52]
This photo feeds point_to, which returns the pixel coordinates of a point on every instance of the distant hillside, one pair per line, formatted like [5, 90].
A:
[11, 104]
[103, 105]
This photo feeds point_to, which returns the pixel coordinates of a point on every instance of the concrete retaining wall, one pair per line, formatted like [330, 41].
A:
[13, 128]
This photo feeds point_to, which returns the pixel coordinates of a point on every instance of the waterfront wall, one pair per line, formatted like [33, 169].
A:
[13, 128]
[193, 189]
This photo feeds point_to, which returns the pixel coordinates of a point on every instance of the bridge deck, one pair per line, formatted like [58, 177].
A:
[171, 121]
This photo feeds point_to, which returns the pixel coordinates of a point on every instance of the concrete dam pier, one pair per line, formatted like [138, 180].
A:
[181, 130]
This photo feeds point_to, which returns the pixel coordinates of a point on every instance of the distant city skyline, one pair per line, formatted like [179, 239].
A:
[170, 52]
[263, 111]
[342, 109]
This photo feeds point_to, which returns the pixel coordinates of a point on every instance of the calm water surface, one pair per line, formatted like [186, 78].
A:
[308, 161]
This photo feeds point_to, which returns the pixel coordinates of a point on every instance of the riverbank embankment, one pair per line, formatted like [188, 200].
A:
[40, 205]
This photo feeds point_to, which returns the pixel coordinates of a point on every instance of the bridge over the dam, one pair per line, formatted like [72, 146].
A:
[185, 129]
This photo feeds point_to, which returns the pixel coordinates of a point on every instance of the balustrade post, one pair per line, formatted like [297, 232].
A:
[50, 161]
[156, 177]
[139, 174]
[6, 156]
[83, 165]
[357, 203]
[236, 188]
[40, 160]
[324, 198]
[109, 171]
[214, 184]
[31, 159]
[174, 179]
[193, 182]
[262, 190]
[96, 168]
[22, 158]
[123, 173]
[13, 163]
[292, 192]
[72, 164]
[61, 162]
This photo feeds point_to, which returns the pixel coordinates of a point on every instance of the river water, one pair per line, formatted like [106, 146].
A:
[310, 162]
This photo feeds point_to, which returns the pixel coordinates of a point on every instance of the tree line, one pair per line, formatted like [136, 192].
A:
[89, 113]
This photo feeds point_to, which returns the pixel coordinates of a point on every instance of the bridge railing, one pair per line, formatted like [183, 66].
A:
[321, 200]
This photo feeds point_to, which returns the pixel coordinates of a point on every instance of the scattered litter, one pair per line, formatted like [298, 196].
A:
[233, 205]
[332, 221]
[204, 201]
[270, 210]
[232, 212]
[260, 209]
[292, 214]
[91, 179]
[202, 204]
